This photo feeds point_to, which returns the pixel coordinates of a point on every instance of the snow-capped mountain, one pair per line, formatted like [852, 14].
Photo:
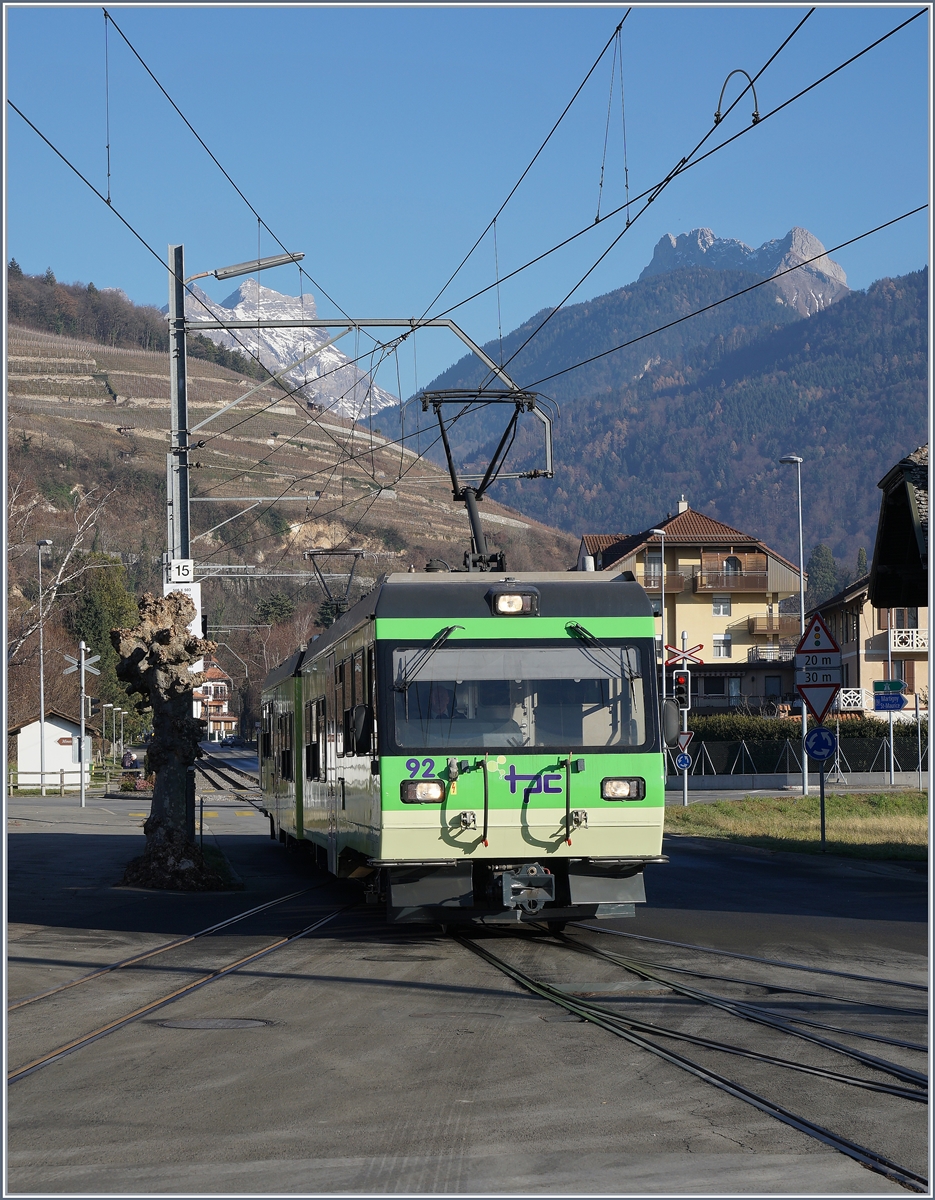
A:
[328, 378]
[807, 290]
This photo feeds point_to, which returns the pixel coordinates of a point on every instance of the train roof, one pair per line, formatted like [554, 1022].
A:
[464, 594]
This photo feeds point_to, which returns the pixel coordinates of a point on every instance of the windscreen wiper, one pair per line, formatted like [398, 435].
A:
[408, 677]
[594, 643]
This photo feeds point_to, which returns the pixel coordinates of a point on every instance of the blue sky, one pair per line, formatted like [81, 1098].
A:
[381, 141]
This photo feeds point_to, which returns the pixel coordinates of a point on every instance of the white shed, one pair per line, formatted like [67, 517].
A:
[62, 735]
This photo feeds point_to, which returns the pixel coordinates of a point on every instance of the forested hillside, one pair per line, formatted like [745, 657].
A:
[707, 408]
[104, 315]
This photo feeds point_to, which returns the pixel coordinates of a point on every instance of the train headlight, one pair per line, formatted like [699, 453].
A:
[421, 791]
[623, 789]
[507, 601]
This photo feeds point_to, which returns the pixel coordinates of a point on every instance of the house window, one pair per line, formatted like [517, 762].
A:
[772, 686]
[906, 618]
[714, 686]
[721, 606]
[722, 645]
[732, 565]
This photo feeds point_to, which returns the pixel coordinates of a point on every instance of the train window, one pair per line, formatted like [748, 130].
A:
[286, 729]
[564, 697]
[266, 740]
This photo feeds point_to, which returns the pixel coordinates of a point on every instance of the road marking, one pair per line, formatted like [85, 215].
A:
[243, 812]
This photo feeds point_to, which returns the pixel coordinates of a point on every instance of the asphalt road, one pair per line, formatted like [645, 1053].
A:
[394, 1060]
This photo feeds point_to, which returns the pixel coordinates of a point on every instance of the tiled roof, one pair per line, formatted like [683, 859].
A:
[687, 528]
[594, 543]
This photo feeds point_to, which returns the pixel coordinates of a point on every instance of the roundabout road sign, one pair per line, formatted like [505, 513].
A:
[683, 761]
[820, 744]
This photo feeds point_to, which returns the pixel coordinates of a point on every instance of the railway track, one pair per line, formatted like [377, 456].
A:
[909, 1085]
[207, 977]
[222, 776]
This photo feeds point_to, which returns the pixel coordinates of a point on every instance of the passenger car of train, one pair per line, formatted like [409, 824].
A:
[476, 747]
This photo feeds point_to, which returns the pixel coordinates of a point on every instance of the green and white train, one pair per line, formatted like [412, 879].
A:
[476, 747]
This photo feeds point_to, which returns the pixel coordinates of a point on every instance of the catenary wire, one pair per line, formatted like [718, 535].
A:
[214, 159]
[688, 166]
[529, 167]
[657, 191]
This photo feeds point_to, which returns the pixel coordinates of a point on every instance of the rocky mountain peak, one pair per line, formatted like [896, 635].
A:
[328, 378]
[808, 290]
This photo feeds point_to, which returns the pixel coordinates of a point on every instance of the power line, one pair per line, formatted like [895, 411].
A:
[530, 164]
[688, 166]
[653, 196]
[214, 159]
[724, 299]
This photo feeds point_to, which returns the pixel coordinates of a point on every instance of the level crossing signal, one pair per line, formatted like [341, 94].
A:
[681, 688]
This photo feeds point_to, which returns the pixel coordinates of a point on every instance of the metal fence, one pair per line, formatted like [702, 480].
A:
[784, 757]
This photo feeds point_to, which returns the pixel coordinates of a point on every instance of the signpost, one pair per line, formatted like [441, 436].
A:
[818, 670]
[888, 701]
[821, 744]
[682, 658]
[82, 664]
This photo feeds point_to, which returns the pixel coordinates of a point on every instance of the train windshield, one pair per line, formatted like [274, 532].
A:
[494, 697]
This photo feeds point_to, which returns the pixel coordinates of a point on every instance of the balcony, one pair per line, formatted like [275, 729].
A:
[652, 582]
[853, 700]
[729, 581]
[783, 653]
[915, 641]
[773, 624]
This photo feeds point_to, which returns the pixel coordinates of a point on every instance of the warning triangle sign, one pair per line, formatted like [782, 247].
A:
[685, 739]
[818, 697]
[817, 637]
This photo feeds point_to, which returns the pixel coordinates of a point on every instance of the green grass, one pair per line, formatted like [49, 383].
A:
[882, 825]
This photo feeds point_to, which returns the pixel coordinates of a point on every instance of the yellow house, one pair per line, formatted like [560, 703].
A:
[723, 588]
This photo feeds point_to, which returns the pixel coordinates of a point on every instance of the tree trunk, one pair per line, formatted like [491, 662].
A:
[155, 661]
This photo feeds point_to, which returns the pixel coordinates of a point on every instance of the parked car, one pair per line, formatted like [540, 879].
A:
[233, 739]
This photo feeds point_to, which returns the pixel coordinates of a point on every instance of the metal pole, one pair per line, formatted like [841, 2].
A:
[177, 461]
[122, 715]
[685, 721]
[81, 651]
[41, 685]
[889, 675]
[662, 606]
[821, 800]
[798, 474]
[919, 739]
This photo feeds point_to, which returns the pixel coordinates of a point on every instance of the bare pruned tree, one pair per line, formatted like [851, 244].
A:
[24, 503]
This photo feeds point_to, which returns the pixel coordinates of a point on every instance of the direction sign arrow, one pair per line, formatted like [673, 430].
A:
[889, 702]
[818, 697]
[888, 685]
[817, 637]
[685, 738]
[820, 744]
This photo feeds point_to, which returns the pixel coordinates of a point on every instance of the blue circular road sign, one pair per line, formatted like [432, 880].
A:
[683, 761]
[820, 744]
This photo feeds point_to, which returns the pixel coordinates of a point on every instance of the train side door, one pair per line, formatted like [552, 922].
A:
[331, 762]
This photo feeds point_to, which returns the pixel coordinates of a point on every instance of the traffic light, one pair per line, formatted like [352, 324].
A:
[681, 688]
[94, 706]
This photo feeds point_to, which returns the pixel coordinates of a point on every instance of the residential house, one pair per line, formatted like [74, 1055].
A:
[876, 643]
[62, 738]
[211, 702]
[899, 571]
[723, 588]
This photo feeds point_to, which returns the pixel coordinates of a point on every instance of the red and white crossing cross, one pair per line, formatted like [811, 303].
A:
[681, 657]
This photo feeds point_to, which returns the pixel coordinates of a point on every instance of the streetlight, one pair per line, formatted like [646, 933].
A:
[662, 605]
[113, 729]
[39, 545]
[247, 268]
[788, 460]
